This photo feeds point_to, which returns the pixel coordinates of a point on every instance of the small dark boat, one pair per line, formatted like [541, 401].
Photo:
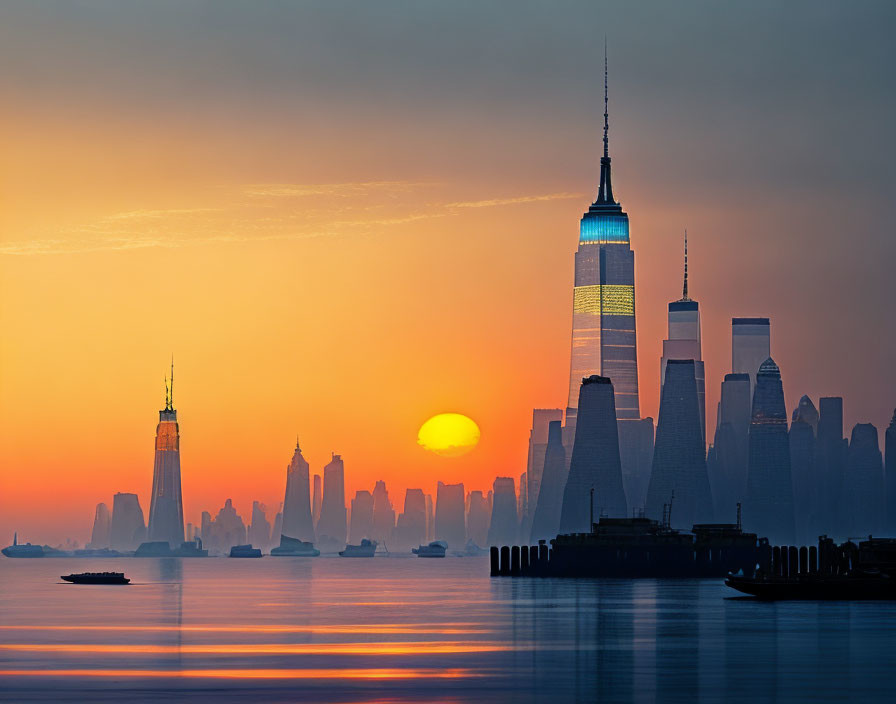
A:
[244, 551]
[856, 585]
[96, 578]
[367, 548]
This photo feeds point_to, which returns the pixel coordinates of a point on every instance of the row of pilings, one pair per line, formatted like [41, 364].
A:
[827, 559]
[520, 561]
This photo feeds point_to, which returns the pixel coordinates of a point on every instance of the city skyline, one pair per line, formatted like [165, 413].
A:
[90, 263]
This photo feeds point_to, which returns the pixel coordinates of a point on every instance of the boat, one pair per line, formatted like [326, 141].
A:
[436, 548]
[367, 548]
[244, 551]
[96, 578]
[26, 550]
[858, 585]
[293, 547]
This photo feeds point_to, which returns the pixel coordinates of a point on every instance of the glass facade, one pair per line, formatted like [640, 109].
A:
[166, 511]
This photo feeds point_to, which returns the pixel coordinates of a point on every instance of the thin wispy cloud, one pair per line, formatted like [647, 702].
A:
[166, 228]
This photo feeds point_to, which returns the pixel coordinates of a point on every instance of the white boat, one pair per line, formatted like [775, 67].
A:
[436, 548]
[366, 549]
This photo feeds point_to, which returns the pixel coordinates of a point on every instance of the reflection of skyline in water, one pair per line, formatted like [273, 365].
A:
[407, 630]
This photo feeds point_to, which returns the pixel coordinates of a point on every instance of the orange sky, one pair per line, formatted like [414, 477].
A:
[344, 258]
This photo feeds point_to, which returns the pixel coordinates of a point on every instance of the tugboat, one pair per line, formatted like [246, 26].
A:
[436, 548]
[244, 551]
[367, 548]
[293, 547]
[96, 578]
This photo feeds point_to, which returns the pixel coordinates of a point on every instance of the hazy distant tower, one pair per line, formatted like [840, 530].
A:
[684, 340]
[750, 346]
[769, 508]
[603, 319]
[297, 522]
[166, 510]
[503, 528]
[331, 528]
[102, 525]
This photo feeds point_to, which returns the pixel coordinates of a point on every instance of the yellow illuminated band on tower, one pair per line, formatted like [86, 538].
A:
[607, 299]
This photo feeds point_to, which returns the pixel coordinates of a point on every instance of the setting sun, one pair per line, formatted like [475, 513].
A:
[449, 434]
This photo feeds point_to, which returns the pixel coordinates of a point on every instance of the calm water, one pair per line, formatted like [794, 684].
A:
[405, 629]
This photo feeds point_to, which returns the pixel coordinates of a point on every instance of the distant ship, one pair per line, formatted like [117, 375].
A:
[471, 549]
[96, 578]
[161, 548]
[436, 548]
[293, 547]
[98, 552]
[244, 551]
[26, 550]
[367, 548]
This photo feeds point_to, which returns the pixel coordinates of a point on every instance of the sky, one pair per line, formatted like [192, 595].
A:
[342, 218]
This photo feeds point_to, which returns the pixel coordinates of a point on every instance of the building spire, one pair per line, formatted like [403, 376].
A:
[171, 398]
[166, 393]
[605, 194]
[684, 294]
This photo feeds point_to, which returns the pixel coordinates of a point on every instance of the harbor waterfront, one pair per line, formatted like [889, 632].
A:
[404, 629]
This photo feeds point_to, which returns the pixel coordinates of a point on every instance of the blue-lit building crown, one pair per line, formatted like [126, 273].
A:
[604, 224]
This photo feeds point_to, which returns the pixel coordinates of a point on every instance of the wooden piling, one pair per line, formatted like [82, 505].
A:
[495, 561]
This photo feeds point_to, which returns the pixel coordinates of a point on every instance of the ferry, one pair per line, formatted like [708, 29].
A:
[26, 550]
[436, 548]
[367, 548]
[293, 547]
[96, 578]
[244, 551]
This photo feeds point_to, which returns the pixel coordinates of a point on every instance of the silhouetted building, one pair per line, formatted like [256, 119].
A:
[478, 518]
[728, 455]
[538, 439]
[604, 340]
[830, 465]
[522, 502]
[449, 519]
[102, 527]
[890, 476]
[863, 484]
[595, 460]
[297, 522]
[430, 519]
[331, 528]
[636, 456]
[546, 517]
[166, 510]
[679, 478]
[259, 533]
[750, 346]
[684, 340]
[278, 524]
[315, 505]
[410, 529]
[802, 469]
[383, 514]
[128, 529]
[503, 527]
[361, 522]
[769, 506]
[224, 531]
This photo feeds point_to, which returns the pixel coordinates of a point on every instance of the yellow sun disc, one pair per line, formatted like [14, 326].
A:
[449, 434]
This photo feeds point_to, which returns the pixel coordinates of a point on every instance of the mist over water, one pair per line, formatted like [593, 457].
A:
[391, 629]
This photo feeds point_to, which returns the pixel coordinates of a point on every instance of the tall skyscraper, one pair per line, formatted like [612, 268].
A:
[603, 321]
[727, 458]
[331, 528]
[315, 504]
[769, 508]
[102, 525]
[450, 525]
[679, 476]
[410, 530]
[890, 476]
[750, 346]
[546, 516]
[684, 340]
[361, 521]
[503, 528]
[863, 484]
[802, 468]
[259, 533]
[166, 510]
[297, 523]
[478, 518]
[128, 528]
[595, 460]
[830, 464]
[383, 514]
